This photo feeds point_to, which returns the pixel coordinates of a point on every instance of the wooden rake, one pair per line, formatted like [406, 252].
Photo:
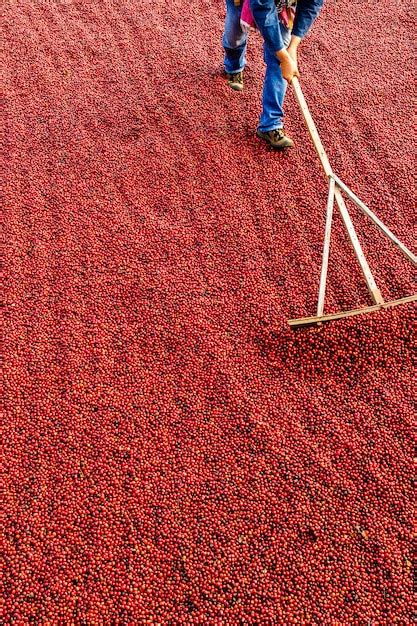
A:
[336, 186]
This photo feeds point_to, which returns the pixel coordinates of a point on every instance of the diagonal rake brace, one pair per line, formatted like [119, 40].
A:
[336, 186]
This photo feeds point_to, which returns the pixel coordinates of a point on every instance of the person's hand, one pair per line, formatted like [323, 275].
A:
[288, 62]
[292, 51]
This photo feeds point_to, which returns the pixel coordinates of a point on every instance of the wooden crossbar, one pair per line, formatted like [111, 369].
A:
[308, 321]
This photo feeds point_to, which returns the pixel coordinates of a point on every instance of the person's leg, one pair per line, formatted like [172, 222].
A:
[234, 40]
[274, 89]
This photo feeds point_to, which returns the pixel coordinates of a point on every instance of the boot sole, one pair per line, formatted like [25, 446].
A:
[235, 87]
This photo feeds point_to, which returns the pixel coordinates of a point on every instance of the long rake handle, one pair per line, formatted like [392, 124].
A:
[329, 172]
[370, 281]
[312, 129]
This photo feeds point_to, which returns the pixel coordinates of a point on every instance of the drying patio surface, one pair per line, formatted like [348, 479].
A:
[173, 452]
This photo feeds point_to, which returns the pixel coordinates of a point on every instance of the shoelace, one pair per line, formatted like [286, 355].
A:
[278, 133]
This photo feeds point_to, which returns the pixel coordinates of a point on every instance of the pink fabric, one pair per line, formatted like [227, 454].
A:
[284, 17]
[247, 22]
[246, 18]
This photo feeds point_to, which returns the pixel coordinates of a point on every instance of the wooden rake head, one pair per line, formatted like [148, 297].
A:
[336, 187]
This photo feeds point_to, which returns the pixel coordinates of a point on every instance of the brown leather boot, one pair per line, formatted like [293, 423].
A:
[235, 81]
[276, 138]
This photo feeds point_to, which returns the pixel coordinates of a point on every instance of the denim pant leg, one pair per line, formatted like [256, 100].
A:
[274, 89]
[234, 40]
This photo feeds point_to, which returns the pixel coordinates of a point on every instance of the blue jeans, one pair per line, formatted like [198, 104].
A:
[234, 44]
